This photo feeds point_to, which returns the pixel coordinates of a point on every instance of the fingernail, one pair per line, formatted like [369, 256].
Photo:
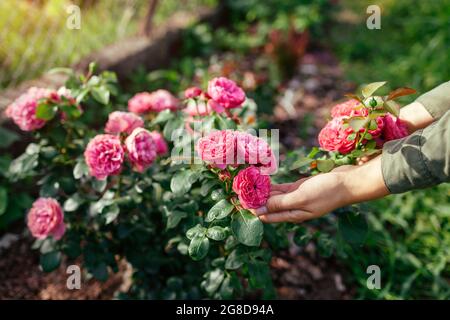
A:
[260, 211]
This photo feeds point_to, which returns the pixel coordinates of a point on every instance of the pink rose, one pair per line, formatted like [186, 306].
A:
[46, 218]
[218, 148]
[254, 150]
[162, 99]
[199, 108]
[126, 122]
[141, 149]
[394, 128]
[252, 188]
[333, 137]
[226, 93]
[104, 156]
[140, 103]
[192, 92]
[160, 142]
[347, 109]
[23, 110]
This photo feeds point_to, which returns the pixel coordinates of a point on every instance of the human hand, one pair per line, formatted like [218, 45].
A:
[312, 197]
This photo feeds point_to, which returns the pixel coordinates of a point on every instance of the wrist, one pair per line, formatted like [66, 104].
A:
[416, 116]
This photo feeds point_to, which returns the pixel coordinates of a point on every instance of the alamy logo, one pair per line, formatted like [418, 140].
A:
[74, 280]
[74, 19]
[374, 280]
[374, 20]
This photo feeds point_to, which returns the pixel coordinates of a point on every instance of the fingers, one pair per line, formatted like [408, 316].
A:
[295, 216]
[282, 187]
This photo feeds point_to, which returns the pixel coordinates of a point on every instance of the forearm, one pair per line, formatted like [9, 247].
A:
[415, 116]
[363, 183]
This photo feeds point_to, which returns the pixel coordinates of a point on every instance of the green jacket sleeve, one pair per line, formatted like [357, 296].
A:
[420, 160]
[437, 101]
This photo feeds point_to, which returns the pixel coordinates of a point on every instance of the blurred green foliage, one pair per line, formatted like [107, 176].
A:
[410, 236]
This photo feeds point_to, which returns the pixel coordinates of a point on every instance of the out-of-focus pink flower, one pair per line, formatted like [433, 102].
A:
[226, 92]
[192, 92]
[198, 108]
[212, 105]
[347, 109]
[252, 187]
[141, 149]
[119, 121]
[104, 156]
[46, 218]
[334, 137]
[23, 110]
[394, 128]
[160, 142]
[218, 148]
[140, 103]
[162, 100]
[254, 150]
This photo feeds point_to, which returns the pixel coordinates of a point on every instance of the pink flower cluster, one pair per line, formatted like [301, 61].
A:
[156, 101]
[105, 153]
[335, 135]
[222, 94]
[46, 218]
[23, 110]
[252, 187]
[228, 147]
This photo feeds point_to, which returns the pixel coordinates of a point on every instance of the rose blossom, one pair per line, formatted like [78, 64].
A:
[23, 110]
[119, 121]
[333, 137]
[192, 92]
[252, 188]
[104, 156]
[394, 128]
[254, 150]
[218, 148]
[160, 142]
[347, 109]
[197, 108]
[161, 100]
[46, 218]
[225, 92]
[140, 103]
[141, 149]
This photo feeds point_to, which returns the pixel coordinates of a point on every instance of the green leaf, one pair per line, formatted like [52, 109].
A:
[199, 247]
[50, 261]
[73, 203]
[163, 117]
[111, 213]
[353, 227]
[213, 280]
[247, 228]
[392, 107]
[301, 163]
[325, 246]
[174, 218]
[357, 123]
[45, 111]
[207, 186]
[325, 165]
[370, 89]
[80, 170]
[181, 182]
[400, 92]
[302, 236]
[194, 231]
[101, 94]
[219, 211]
[259, 272]
[218, 194]
[171, 126]
[99, 185]
[100, 272]
[217, 233]
[7, 137]
[3, 200]
[235, 260]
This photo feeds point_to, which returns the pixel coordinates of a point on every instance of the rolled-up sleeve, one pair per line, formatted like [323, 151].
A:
[437, 101]
[420, 160]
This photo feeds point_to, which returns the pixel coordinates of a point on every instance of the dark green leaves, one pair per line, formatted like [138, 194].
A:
[182, 181]
[50, 261]
[7, 137]
[217, 233]
[247, 228]
[219, 211]
[3, 200]
[101, 94]
[371, 88]
[353, 227]
[81, 169]
[199, 246]
[45, 111]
